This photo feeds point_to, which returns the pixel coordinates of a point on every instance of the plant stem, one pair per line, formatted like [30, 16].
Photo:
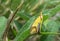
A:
[11, 17]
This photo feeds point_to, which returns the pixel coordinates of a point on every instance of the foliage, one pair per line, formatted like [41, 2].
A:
[18, 16]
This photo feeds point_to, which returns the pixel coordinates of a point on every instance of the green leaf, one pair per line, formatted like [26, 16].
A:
[25, 30]
[14, 4]
[52, 27]
[18, 25]
[52, 2]
[49, 13]
[23, 15]
[3, 1]
[3, 21]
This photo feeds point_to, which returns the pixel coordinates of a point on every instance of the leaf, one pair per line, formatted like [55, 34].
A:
[14, 4]
[25, 30]
[18, 25]
[50, 26]
[3, 1]
[23, 15]
[3, 21]
[52, 2]
[49, 13]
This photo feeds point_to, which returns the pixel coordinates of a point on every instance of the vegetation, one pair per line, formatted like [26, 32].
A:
[29, 20]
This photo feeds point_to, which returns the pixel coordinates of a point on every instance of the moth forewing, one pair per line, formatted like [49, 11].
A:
[33, 30]
[36, 27]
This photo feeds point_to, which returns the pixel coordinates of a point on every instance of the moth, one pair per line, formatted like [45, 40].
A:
[36, 27]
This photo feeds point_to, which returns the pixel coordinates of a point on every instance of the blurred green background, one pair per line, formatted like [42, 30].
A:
[26, 12]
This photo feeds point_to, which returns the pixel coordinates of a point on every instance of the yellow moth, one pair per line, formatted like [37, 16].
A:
[37, 24]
